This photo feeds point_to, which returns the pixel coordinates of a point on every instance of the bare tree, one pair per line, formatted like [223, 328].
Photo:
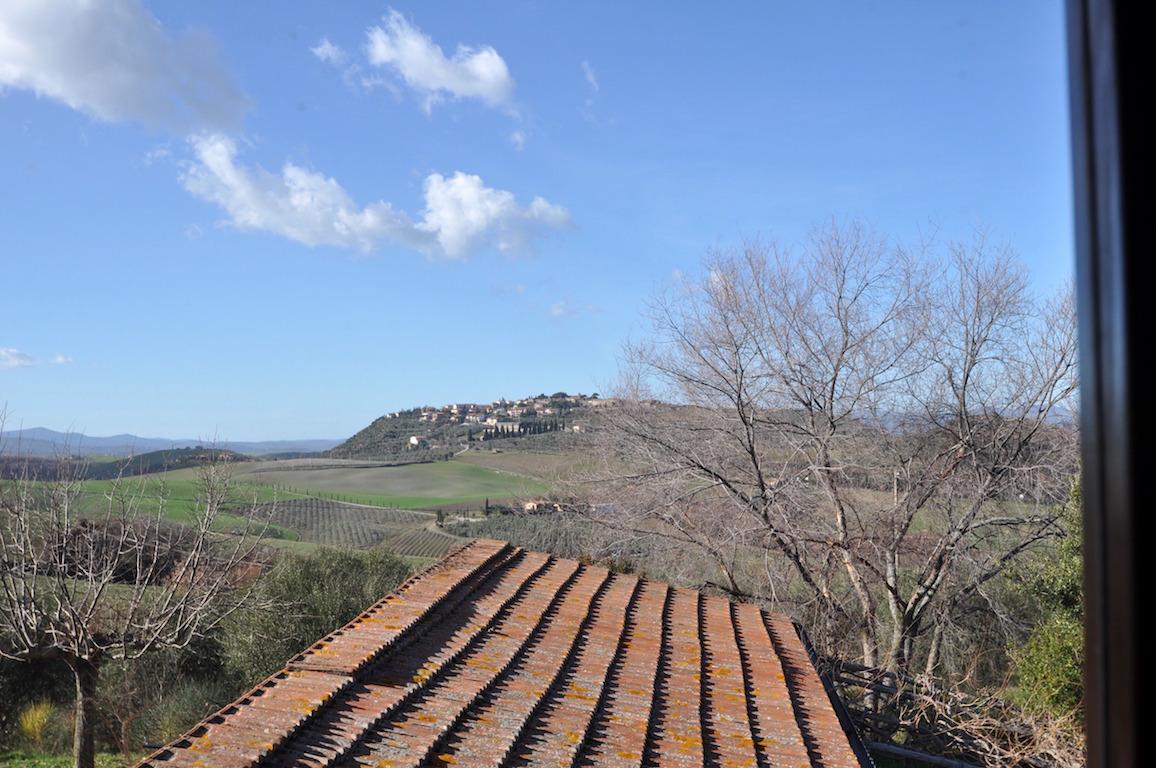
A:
[84, 579]
[873, 430]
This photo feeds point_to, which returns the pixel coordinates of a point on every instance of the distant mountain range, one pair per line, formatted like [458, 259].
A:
[39, 441]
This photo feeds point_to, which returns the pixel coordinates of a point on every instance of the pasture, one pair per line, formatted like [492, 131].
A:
[173, 495]
[540, 465]
[408, 486]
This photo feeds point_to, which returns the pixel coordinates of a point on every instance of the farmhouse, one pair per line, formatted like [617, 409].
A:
[541, 505]
[499, 656]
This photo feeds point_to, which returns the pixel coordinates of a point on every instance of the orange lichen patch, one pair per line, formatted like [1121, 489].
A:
[499, 656]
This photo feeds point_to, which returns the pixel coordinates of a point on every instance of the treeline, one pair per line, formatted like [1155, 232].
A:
[50, 469]
[520, 429]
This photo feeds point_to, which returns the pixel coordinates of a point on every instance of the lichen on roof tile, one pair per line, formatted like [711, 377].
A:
[499, 656]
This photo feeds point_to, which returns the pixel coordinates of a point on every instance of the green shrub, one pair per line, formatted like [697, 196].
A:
[1049, 666]
[304, 598]
[179, 708]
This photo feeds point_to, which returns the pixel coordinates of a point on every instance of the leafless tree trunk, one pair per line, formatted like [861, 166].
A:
[86, 673]
[85, 579]
[883, 422]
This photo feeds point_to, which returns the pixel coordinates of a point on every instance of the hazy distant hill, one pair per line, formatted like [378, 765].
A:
[38, 441]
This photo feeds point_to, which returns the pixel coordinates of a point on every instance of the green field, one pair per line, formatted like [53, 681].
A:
[541, 465]
[174, 495]
[410, 486]
[328, 502]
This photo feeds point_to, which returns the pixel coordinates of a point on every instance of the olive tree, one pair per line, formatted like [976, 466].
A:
[86, 577]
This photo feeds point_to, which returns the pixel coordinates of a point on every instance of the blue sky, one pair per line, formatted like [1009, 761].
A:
[271, 220]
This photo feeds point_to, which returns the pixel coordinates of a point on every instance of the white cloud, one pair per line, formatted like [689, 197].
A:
[14, 358]
[476, 73]
[114, 61]
[296, 203]
[328, 52]
[518, 139]
[461, 214]
[61, 359]
[591, 78]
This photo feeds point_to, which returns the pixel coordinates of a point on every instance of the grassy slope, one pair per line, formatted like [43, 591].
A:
[413, 486]
[541, 465]
[179, 491]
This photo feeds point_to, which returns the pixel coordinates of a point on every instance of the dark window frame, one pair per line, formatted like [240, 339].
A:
[1104, 39]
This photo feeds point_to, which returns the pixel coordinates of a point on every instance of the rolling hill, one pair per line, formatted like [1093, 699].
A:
[41, 442]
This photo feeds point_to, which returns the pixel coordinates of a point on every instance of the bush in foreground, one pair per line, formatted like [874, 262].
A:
[303, 598]
[1048, 667]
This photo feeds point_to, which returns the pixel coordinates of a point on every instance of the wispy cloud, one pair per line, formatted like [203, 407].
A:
[14, 358]
[591, 78]
[114, 61]
[157, 154]
[328, 52]
[570, 308]
[470, 73]
[593, 88]
[518, 139]
[461, 213]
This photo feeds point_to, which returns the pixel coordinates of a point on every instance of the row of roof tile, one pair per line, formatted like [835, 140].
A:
[498, 656]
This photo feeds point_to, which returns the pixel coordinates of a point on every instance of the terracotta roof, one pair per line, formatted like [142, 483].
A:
[498, 656]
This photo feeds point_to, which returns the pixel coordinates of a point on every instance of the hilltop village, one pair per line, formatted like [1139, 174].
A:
[456, 426]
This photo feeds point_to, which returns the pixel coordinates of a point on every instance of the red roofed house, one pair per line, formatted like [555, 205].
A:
[497, 656]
